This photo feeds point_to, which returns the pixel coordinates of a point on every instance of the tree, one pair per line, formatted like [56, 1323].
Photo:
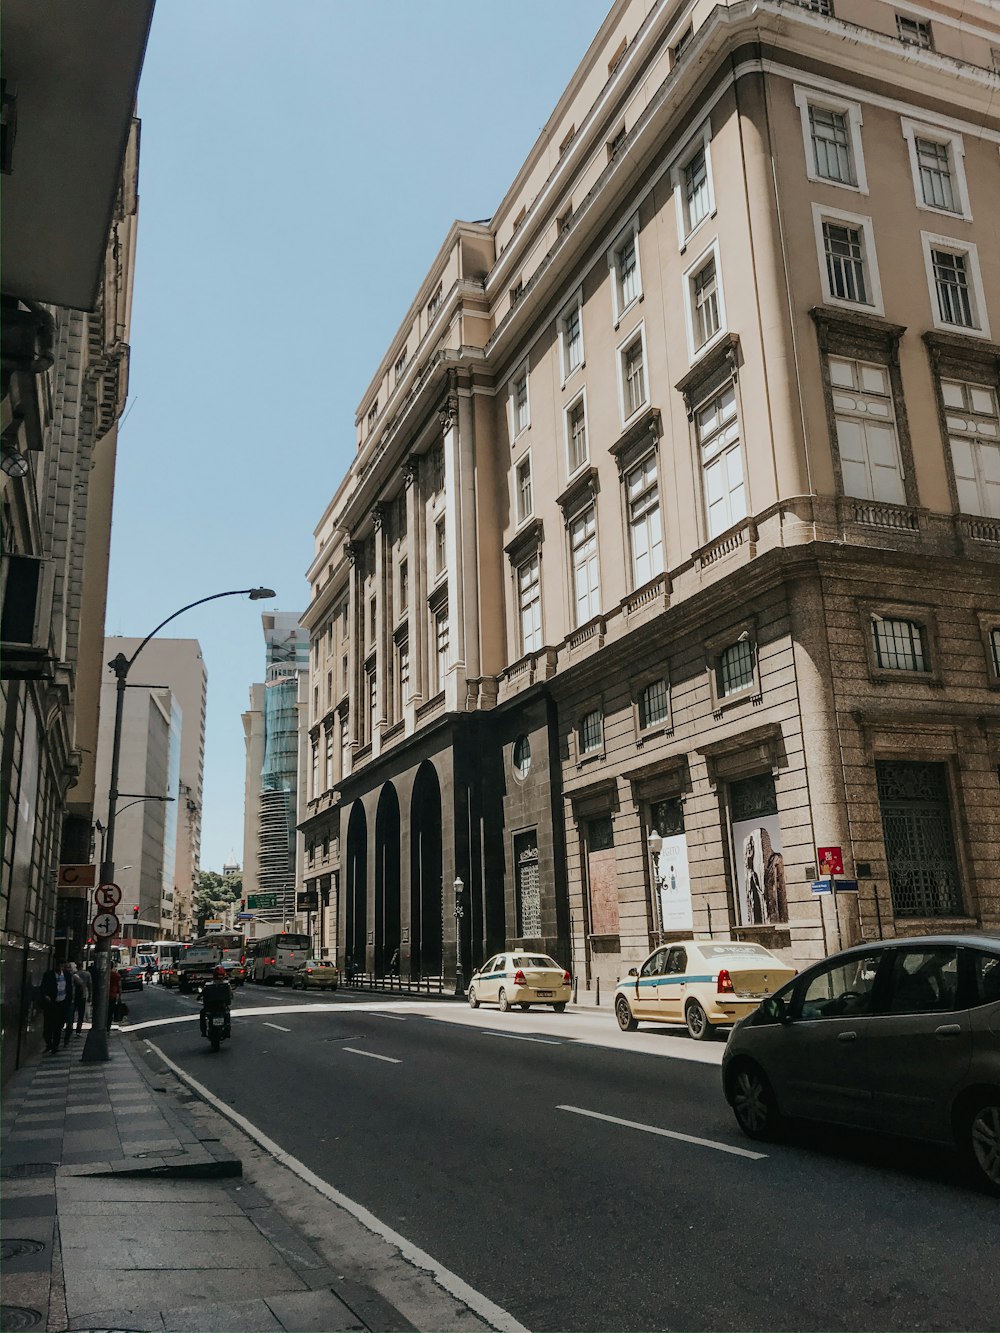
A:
[216, 892]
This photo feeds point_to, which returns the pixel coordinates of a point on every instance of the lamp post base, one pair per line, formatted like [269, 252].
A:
[459, 980]
[95, 1048]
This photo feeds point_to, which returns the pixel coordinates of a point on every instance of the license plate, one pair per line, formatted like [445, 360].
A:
[751, 995]
[544, 994]
[218, 1022]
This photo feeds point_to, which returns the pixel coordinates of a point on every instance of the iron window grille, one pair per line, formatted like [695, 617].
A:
[845, 262]
[919, 843]
[951, 281]
[736, 668]
[914, 32]
[936, 183]
[590, 731]
[816, 6]
[831, 140]
[653, 707]
[900, 645]
[635, 377]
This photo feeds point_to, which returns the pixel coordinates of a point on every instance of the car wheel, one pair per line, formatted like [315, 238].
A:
[335, 985]
[559, 1007]
[473, 998]
[623, 1012]
[504, 1002]
[752, 1101]
[981, 1141]
[525, 1007]
[697, 1021]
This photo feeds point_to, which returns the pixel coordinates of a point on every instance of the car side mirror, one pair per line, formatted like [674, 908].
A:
[775, 1010]
[633, 971]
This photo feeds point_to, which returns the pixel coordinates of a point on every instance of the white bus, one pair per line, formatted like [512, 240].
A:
[273, 958]
[164, 955]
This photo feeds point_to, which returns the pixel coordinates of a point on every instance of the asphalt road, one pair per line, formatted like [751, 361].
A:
[496, 1143]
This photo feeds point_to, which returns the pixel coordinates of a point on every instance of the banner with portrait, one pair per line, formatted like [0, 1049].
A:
[758, 862]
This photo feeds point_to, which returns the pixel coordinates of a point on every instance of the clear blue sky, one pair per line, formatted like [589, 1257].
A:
[300, 166]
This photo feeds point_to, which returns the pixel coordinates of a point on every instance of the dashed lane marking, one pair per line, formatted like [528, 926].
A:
[667, 1133]
[371, 1055]
[519, 1036]
[277, 1027]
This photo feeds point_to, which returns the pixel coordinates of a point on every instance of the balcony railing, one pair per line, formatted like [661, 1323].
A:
[878, 514]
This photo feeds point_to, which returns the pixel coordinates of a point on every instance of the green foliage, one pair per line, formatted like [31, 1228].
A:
[216, 892]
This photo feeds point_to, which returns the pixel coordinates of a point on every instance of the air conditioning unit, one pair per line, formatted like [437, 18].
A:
[26, 618]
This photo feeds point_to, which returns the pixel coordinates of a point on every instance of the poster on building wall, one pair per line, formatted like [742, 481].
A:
[758, 861]
[676, 912]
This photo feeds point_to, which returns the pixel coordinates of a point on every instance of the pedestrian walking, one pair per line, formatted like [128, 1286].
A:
[81, 995]
[114, 995]
[394, 963]
[53, 990]
[349, 969]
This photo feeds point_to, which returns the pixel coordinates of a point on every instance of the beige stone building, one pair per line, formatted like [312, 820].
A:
[671, 549]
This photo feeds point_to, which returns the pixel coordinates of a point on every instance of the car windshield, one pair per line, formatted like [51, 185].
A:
[734, 951]
[534, 960]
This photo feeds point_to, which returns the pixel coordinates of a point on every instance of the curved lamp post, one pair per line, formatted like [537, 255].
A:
[96, 1046]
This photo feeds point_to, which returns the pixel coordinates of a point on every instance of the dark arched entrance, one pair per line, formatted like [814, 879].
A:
[356, 889]
[387, 935]
[425, 874]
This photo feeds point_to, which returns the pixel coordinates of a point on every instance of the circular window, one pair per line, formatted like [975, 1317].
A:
[522, 757]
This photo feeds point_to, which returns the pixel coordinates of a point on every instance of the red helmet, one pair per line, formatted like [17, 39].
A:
[219, 974]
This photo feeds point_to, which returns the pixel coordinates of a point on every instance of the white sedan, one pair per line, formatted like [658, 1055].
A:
[520, 978]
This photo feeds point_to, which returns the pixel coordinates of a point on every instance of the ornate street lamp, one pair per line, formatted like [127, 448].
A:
[459, 913]
[96, 1046]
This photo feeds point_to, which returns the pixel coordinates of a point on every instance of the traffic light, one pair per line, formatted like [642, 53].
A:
[135, 912]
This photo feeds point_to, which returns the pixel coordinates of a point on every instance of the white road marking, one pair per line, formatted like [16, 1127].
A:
[398, 1017]
[667, 1133]
[371, 1055]
[493, 1314]
[277, 1027]
[517, 1036]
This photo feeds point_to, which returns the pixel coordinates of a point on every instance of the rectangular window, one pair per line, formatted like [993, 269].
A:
[583, 547]
[591, 731]
[442, 646]
[866, 430]
[529, 893]
[436, 457]
[616, 144]
[403, 672]
[995, 650]
[343, 674]
[951, 282]
[973, 423]
[329, 760]
[718, 431]
[315, 769]
[696, 194]
[345, 747]
[522, 487]
[654, 705]
[519, 403]
[373, 414]
[372, 685]
[831, 142]
[634, 377]
[845, 262]
[899, 645]
[565, 220]
[329, 688]
[576, 436]
[400, 366]
[936, 183]
[914, 32]
[434, 304]
[642, 491]
[817, 6]
[705, 304]
[516, 292]
[530, 605]
[440, 546]
[404, 586]
[736, 668]
[628, 273]
[919, 843]
[572, 331]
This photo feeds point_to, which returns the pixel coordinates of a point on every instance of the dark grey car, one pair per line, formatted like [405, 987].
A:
[900, 1036]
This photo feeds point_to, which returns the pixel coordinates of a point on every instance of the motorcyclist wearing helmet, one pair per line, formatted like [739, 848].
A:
[216, 998]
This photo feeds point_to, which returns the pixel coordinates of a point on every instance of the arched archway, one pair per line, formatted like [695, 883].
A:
[425, 874]
[356, 888]
[387, 923]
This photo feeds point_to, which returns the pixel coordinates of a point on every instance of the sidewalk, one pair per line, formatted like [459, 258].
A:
[117, 1215]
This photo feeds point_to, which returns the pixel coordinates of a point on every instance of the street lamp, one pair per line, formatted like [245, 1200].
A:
[459, 913]
[655, 844]
[96, 1046]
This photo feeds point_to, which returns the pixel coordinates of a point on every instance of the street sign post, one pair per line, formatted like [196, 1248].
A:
[105, 925]
[262, 901]
[107, 896]
[821, 886]
[831, 860]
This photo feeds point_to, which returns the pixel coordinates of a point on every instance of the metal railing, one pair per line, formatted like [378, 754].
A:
[389, 981]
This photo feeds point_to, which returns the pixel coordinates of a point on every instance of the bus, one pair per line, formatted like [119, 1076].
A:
[273, 958]
[164, 955]
[199, 958]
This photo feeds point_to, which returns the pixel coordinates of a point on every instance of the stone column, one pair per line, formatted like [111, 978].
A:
[417, 565]
[455, 679]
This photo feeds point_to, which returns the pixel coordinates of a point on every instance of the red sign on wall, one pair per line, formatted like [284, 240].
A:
[831, 860]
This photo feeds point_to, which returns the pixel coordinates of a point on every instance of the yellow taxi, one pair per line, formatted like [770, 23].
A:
[704, 984]
[520, 977]
[318, 972]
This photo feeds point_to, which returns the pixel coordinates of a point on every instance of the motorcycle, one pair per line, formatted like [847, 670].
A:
[217, 1029]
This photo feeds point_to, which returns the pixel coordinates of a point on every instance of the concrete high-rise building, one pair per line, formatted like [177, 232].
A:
[272, 852]
[670, 557]
[173, 672]
[69, 153]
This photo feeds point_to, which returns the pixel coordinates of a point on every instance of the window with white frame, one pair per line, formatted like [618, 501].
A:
[735, 667]
[645, 528]
[973, 423]
[956, 284]
[329, 760]
[654, 704]
[584, 559]
[914, 32]
[442, 647]
[576, 435]
[865, 421]
[705, 317]
[399, 367]
[623, 260]
[440, 545]
[900, 645]
[571, 337]
[522, 490]
[529, 605]
[692, 182]
[520, 417]
[591, 731]
[831, 136]
[718, 431]
[434, 304]
[633, 376]
[937, 164]
[315, 769]
[848, 271]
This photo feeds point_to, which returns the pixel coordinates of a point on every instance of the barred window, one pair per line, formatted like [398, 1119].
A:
[951, 282]
[899, 644]
[736, 668]
[817, 6]
[705, 304]
[914, 32]
[831, 140]
[936, 183]
[845, 262]
[591, 726]
[653, 704]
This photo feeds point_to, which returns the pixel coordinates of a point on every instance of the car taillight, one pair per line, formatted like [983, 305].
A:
[268, 960]
[519, 978]
[567, 979]
[726, 986]
[308, 969]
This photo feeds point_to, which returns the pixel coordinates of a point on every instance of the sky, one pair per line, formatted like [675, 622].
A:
[300, 165]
